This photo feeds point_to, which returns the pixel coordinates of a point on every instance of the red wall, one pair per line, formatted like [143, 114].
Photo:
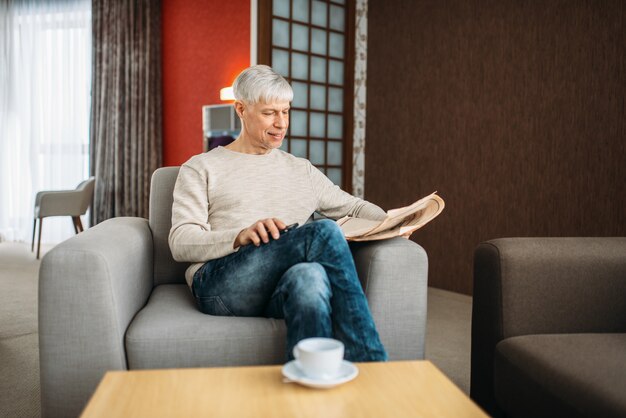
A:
[206, 43]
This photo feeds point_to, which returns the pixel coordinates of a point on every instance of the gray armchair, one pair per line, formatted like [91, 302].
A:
[112, 298]
[549, 327]
[62, 203]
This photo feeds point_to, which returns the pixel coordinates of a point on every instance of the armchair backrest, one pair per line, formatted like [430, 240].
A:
[166, 269]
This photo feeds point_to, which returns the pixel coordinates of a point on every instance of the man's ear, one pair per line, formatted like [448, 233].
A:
[239, 108]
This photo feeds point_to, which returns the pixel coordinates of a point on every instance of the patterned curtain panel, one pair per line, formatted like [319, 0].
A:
[125, 146]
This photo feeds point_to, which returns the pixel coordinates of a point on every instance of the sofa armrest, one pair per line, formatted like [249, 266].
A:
[90, 288]
[528, 286]
[394, 275]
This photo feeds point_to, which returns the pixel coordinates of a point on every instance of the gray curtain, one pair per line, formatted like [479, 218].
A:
[125, 146]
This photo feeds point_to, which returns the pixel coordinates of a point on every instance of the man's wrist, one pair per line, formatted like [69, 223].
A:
[237, 242]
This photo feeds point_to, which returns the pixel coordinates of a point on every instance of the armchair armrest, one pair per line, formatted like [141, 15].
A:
[90, 288]
[528, 286]
[394, 274]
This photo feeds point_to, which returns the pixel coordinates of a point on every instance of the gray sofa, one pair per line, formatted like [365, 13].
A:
[549, 327]
[112, 298]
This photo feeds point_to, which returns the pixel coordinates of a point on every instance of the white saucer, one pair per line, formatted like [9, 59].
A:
[347, 372]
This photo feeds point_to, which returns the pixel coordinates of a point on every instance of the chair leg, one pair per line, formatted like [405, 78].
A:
[39, 239]
[78, 225]
[74, 224]
[32, 245]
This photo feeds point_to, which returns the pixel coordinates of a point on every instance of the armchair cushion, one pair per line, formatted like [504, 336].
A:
[573, 375]
[171, 332]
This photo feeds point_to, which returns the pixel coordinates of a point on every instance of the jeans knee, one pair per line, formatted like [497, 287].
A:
[308, 283]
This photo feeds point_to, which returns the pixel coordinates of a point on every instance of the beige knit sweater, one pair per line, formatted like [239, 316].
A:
[219, 193]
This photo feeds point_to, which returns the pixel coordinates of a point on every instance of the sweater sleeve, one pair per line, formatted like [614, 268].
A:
[191, 237]
[336, 203]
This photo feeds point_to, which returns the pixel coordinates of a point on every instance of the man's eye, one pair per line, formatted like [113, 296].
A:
[268, 114]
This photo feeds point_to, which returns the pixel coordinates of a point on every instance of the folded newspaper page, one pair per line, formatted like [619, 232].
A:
[398, 221]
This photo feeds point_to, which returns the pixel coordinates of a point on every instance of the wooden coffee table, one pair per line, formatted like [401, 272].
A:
[393, 389]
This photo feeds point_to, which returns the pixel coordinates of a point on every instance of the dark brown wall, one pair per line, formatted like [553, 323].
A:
[513, 110]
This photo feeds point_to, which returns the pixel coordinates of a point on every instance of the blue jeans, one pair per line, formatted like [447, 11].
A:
[307, 277]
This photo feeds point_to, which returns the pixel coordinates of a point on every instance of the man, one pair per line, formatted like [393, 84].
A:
[230, 207]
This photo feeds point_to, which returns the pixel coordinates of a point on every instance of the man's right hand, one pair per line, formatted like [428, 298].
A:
[260, 231]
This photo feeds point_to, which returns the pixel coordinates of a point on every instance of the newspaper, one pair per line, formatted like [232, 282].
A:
[398, 221]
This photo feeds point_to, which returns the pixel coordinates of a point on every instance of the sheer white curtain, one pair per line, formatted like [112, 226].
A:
[45, 82]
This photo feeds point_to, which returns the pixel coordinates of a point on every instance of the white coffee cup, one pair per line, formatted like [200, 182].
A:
[319, 358]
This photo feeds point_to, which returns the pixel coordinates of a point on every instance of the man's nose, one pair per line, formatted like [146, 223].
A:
[281, 121]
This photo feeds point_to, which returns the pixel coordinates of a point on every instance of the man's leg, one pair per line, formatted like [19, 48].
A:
[302, 298]
[240, 284]
[351, 317]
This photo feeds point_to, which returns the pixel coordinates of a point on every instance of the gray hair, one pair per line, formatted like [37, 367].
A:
[261, 84]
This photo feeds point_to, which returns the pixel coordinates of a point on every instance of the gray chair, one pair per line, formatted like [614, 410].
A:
[549, 327]
[112, 298]
[72, 203]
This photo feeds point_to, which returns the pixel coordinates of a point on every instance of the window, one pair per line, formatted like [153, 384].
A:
[44, 114]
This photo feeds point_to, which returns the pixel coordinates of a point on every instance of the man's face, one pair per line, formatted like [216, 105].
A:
[264, 124]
